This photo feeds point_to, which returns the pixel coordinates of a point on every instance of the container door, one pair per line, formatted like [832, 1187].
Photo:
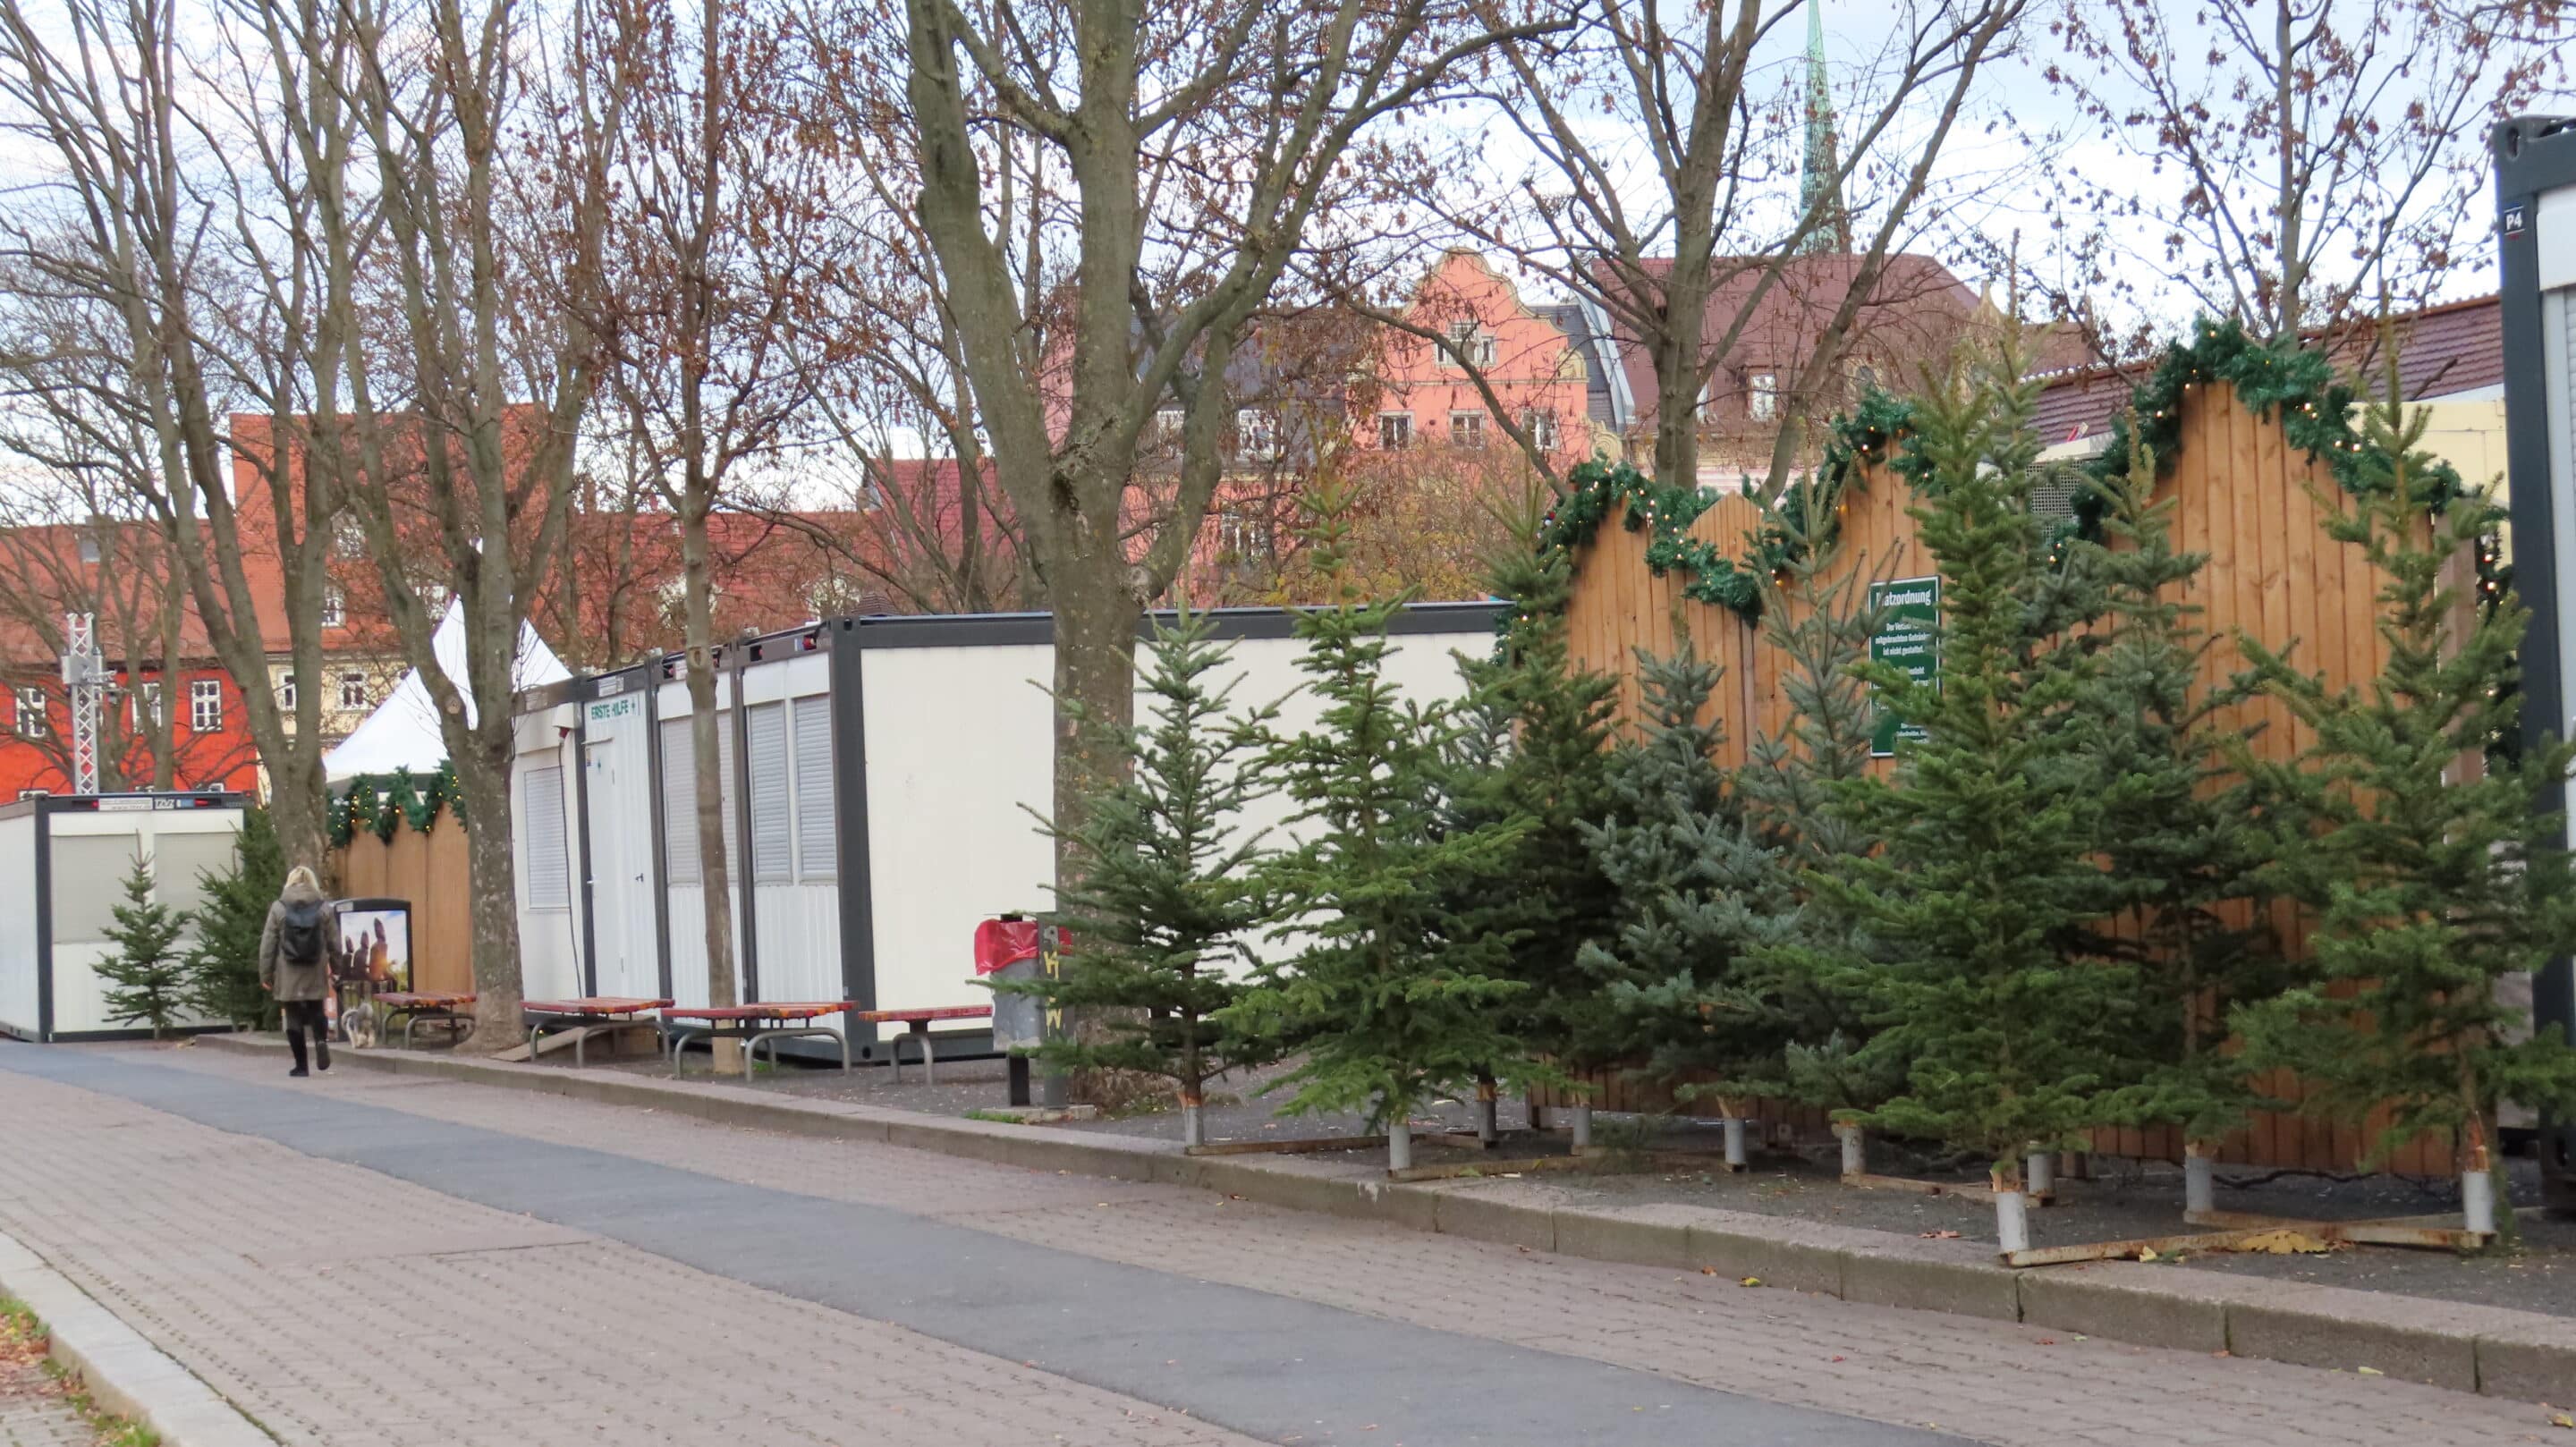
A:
[613, 871]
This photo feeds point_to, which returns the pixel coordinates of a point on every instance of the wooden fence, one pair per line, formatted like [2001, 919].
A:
[429, 870]
[2242, 494]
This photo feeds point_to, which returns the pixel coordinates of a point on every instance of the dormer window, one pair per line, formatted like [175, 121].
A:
[1762, 396]
[1468, 340]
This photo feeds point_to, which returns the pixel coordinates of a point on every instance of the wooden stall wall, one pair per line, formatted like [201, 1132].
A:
[430, 871]
[2242, 495]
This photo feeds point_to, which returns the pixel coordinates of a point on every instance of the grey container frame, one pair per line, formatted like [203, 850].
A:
[2535, 155]
[843, 641]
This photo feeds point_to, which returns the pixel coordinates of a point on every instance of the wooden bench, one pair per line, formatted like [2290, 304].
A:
[917, 1023]
[584, 1013]
[420, 1006]
[751, 1024]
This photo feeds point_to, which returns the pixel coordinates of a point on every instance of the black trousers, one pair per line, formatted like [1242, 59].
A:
[299, 1016]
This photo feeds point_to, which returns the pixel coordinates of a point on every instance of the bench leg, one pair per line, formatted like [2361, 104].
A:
[929, 1057]
[843, 1036]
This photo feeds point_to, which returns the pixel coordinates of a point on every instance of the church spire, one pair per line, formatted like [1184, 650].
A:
[1822, 176]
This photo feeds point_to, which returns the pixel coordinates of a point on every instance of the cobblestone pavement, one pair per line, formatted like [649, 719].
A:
[455, 1309]
[33, 1412]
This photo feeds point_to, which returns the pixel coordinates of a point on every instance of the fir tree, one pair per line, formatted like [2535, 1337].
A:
[1990, 829]
[1392, 1004]
[147, 979]
[1699, 894]
[1817, 620]
[2175, 821]
[1533, 750]
[223, 963]
[1162, 919]
[2428, 877]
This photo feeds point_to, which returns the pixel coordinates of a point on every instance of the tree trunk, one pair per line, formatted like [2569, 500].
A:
[1095, 691]
[709, 753]
[483, 777]
[299, 804]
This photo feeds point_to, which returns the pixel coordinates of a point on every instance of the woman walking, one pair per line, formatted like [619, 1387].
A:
[295, 965]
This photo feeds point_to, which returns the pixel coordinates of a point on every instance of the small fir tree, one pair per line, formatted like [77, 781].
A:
[1990, 829]
[1533, 750]
[2176, 822]
[1817, 619]
[223, 963]
[1162, 920]
[1391, 1003]
[147, 978]
[1699, 895]
[2427, 870]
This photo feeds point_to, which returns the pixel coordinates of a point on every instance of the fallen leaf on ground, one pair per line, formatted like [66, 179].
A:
[2370, 1371]
[1708, 1271]
[2146, 1253]
[1940, 1235]
[2283, 1242]
[1750, 1281]
[2561, 1419]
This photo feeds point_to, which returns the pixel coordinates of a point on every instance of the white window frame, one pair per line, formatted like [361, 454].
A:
[1256, 434]
[30, 720]
[206, 706]
[286, 691]
[1467, 430]
[1169, 423]
[815, 805]
[1470, 340]
[1762, 396]
[353, 689]
[335, 607]
[1394, 431]
[349, 537]
[1541, 427]
[143, 704]
[549, 870]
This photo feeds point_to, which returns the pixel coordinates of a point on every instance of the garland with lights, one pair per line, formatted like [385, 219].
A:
[380, 804]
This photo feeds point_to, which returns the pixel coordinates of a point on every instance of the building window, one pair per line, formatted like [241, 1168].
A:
[286, 691]
[30, 721]
[1256, 435]
[1395, 430]
[1167, 427]
[433, 599]
[1467, 429]
[206, 705]
[143, 708]
[1470, 341]
[1242, 536]
[1763, 402]
[335, 608]
[353, 690]
[89, 547]
[1864, 380]
[1541, 429]
[349, 536]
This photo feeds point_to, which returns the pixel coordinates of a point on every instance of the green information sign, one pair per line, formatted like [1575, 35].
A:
[1908, 637]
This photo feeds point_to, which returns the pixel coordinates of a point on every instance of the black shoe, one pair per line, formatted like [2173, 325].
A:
[298, 1073]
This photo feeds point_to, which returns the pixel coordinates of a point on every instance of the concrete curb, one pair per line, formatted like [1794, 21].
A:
[121, 1371]
[2501, 1352]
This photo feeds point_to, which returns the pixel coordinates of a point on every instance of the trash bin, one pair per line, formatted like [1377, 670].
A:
[1016, 947]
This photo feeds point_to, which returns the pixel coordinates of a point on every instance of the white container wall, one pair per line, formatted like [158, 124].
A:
[881, 788]
[62, 864]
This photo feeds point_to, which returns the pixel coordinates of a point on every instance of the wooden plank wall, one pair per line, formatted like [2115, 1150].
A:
[430, 871]
[2241, 495]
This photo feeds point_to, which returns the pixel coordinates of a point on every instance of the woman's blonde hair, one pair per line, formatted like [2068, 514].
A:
[303, 875]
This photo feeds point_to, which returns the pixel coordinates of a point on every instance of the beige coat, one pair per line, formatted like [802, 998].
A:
[288, 981]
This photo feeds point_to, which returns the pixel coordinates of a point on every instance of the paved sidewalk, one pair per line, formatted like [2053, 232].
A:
[1997, 1383]
[33, 1412]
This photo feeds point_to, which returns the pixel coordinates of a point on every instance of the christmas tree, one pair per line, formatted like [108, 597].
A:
[147, 979]
[2426, 868]
[1990, 830]
[1817, 618]
[1533, 750]
[2176, 823]
[1699, 894]
[223, 964]
[1166, 907]
[1392, 1005]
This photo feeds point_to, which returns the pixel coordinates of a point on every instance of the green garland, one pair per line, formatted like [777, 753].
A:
[1598, 488]
[380, 804]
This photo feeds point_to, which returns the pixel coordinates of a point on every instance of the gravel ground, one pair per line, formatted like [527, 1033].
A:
[2129, 1200]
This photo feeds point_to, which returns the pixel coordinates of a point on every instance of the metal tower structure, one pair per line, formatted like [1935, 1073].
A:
[85, 680]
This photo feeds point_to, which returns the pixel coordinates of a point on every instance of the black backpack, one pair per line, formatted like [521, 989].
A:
[299, 938]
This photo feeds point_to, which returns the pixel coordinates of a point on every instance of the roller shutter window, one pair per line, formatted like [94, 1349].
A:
[773, 838]
[725, 777]
[549, 865]
[679, 802]
[818, 850]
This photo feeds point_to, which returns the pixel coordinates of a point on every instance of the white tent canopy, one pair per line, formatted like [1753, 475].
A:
[403, 731]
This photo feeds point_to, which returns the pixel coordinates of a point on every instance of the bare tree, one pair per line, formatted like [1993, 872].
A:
[123, 231]
[1151, 172]
[1677, 179]
[2293, 158]
[722, 229]
[448, 346]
